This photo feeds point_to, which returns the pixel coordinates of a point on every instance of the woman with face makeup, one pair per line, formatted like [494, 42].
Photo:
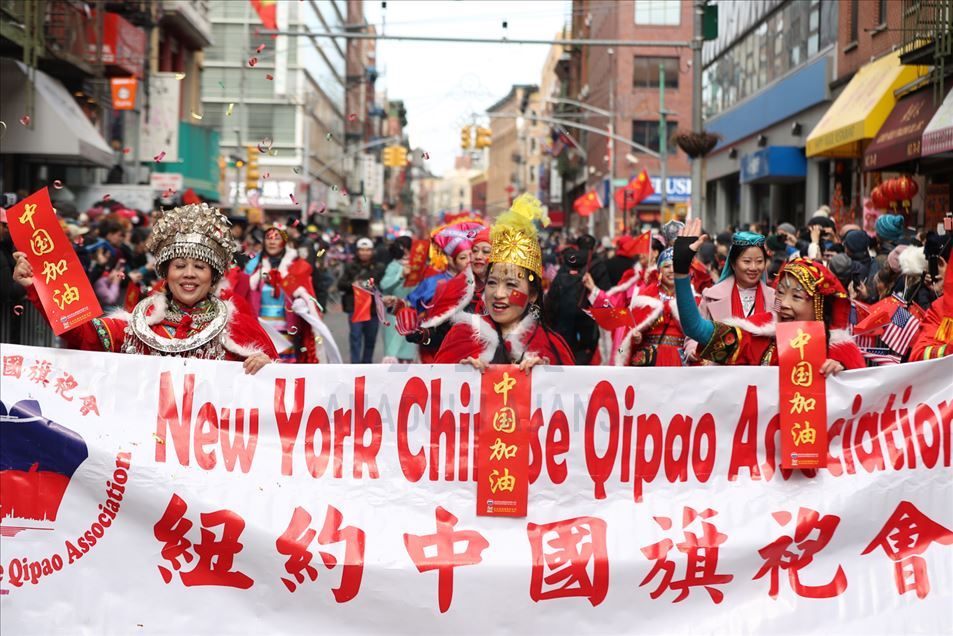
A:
[510, 330]
[193, 249]
[806, 290]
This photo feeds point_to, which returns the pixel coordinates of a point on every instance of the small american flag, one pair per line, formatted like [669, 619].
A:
[879, 357]
[901, 331]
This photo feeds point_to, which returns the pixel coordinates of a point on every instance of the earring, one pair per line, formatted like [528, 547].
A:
[535, 311]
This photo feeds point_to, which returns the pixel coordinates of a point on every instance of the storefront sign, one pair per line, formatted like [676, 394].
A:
[124, 92]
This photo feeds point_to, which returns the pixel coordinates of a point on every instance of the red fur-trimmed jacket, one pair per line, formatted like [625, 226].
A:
[476, 336]
[241, 338]
[662, 335]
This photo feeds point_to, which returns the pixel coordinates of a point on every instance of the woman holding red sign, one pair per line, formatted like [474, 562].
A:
[510, 329]
[805, 291]
[193, 250]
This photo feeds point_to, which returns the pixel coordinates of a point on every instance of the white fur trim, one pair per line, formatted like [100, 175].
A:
[483, 333]
[439, 319]
[767, 329]
[627, 284]
[912, 261]
[264, 266]
[625, 347]
[515, 337]
[245, 351]
[159, 305]
[839, 336]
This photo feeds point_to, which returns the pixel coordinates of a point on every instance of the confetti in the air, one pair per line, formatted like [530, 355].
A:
[25, 120]
[293, 199]
[265, 145]
[231, 107]
[344, 193]
[180, 76]
[334, 188]
[126, 150]
[261, 47]
[106, 197]
[292, 331]
[159, 157]
[322, 208]
[58, 184]
[269, 76]
[222, 84]
[328, 137]
[17, 310]
[266, 175]
[426, 156]
[296, 170]
[252, 61]
[168, 194]
[158, 439]
[195, 115]
[352, 117]
[274, 153]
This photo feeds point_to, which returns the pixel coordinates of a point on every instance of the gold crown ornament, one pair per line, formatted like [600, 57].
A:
[513, 237]
[192, 231]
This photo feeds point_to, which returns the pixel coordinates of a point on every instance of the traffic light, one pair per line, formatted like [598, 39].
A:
[465, 137]
[251, 168]
[395, 156]
[484, 138]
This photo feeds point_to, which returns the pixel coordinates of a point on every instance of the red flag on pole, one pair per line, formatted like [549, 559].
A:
[587, 203]
[268, 12]
[634, 192]
[363, 300]
[643, 243]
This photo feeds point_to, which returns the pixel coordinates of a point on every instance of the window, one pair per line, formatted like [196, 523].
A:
[645, 132]
[881, 12]
[646, 71]
[853, 20]
[658, 12]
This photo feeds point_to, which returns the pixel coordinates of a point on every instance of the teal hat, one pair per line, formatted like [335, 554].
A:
[741, 241]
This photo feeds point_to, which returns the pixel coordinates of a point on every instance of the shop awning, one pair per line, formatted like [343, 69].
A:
[861, 109]
[938, 135]
[60, 131]
[899, 138]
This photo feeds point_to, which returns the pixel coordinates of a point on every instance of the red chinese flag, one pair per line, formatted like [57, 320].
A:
[802, 349]
[645, 189]
[611, 318]
[363, 300]
[502, 462]
[877, 315]
[419, 250]
[587, 203]
[643, 243]
[58, 276]
[267, 11]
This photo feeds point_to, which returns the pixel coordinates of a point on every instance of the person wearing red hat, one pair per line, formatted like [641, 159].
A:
[805, 290]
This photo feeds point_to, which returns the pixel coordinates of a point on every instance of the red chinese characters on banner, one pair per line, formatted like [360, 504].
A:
[904, 537]
[503, 443]
[40, 372]
[445, 557]
[701, 553]
[812, 533]
[89, 405]
[215, 555]
[570, 559]
[802, 349]
[12, 366]
[419, 250]
[296, 539]
[59, 278]
[65, 384]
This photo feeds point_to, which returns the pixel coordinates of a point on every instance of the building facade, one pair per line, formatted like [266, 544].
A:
[507, 172]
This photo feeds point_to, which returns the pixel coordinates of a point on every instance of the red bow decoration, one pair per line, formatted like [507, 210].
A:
[274, 279]
[408, 321]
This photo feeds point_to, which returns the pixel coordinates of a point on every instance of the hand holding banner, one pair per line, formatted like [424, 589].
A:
[59, 278]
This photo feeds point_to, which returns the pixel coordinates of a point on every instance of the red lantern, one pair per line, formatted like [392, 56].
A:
[878, 198]
[906, 189]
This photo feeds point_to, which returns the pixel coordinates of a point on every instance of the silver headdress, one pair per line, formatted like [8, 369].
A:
[192, 231]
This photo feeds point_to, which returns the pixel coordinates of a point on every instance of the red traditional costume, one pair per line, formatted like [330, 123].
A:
[936, 328]
[662, 338]
[212, 329]
[513, 241]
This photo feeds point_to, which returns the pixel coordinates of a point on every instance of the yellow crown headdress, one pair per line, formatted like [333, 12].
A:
[513, 237]
[192, 231]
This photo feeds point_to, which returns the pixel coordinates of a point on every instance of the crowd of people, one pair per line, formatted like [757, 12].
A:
[509, 290]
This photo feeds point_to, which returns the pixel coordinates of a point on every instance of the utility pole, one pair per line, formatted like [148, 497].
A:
[697, 184]
[611, 192]
[662, 138]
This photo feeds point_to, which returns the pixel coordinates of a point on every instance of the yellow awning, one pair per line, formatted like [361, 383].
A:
[861, 109]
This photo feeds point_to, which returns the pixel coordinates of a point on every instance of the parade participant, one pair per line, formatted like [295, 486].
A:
[480, 259]
[396, 347]
[365, 272]
[565, 304]
[193, 249]
[512, 331]
[277, 279]
[657, 340]
[936, 328]
[451, 245]
[806, 290]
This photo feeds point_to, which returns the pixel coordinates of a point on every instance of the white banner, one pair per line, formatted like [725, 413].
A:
[159, 135]
[162, 495]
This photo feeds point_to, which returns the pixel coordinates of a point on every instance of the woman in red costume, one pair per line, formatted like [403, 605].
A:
[657, 339]
[193, 250]
[805, 291]
[512, 331]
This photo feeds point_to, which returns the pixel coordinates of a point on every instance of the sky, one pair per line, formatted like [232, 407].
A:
[443, 83]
